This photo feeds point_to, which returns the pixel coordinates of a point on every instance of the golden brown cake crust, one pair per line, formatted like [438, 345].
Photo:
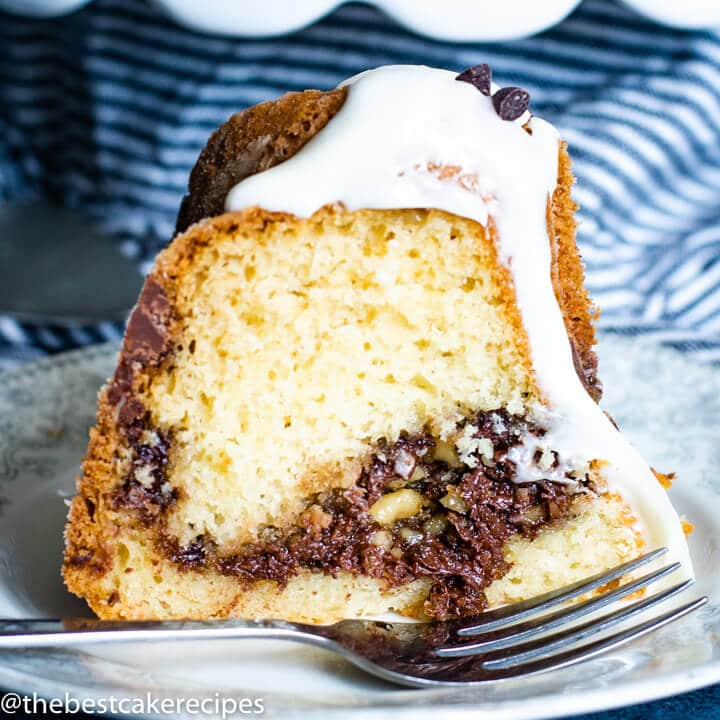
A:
[89, 547]
[252, 141]
[568, 276]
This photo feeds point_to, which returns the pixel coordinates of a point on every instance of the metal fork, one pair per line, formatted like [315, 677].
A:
[500, 644]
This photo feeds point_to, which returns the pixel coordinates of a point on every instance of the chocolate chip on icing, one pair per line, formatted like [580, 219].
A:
[479, 75]
[511, 102]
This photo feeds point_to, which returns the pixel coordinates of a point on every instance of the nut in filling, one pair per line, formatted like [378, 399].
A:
[420, 509]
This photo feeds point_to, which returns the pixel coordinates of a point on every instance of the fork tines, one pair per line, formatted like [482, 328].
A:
[508, 639]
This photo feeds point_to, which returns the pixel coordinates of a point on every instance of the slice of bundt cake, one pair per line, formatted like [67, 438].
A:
[362, 379]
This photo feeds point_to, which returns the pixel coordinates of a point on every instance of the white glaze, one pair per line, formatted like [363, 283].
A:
[379, 151]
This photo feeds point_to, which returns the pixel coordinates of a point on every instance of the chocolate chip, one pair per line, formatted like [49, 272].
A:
[479, 76]
[511, 102]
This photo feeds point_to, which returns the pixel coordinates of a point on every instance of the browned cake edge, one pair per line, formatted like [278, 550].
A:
[251, 141]
[568, 276]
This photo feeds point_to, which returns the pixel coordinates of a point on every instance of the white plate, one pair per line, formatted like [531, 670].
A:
[454, 20]
[667, 404]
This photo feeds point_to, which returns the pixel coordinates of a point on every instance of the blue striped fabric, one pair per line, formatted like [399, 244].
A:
[107, 109]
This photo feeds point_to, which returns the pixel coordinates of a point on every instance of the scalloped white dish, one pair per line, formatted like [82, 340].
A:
[668, 406]
[457, 20]
[454, 20]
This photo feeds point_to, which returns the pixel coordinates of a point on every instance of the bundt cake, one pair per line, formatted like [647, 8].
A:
[362, 378]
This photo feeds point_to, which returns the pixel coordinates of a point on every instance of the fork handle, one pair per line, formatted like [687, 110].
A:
[84, 631]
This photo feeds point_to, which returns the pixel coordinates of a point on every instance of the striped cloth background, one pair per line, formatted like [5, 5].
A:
[106, 110]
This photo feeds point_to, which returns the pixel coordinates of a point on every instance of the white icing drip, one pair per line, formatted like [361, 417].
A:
[414, 137]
